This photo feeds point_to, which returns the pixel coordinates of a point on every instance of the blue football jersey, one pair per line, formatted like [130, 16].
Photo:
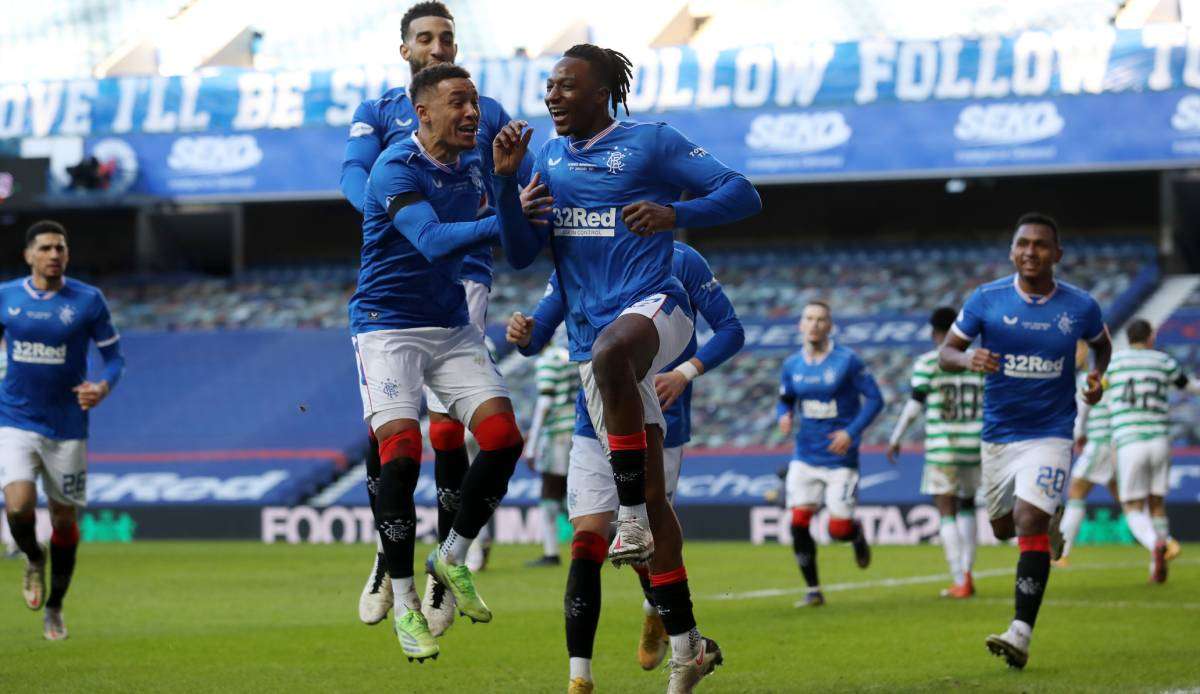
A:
[604, 268]
[833, 394]
[707, 298]
[380, 123]
[47, 336]
[398, 286]
[1033, 394]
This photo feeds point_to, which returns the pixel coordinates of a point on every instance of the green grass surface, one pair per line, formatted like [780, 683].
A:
[246, 617]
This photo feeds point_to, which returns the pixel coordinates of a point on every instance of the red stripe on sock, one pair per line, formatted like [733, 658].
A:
[665, 579]
[1034, 543]
[498, 432]
[446, 436]
[65, 538]
[627, 442]
[589, 546]
[406, 444]
[802, 517]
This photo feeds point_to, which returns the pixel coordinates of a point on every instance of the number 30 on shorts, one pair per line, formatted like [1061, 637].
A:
[1051, 480]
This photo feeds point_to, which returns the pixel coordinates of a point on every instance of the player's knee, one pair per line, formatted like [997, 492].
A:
[62, 517]
[405, 445]
[499, 432]
[589, 546]
[801, 517]
[841, 528]
[611, 357]
[446, 435]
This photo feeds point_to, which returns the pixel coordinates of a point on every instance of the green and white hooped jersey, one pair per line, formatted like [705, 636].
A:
[1139, 382]
[1099, 421]
[558, 377]
[953, 412]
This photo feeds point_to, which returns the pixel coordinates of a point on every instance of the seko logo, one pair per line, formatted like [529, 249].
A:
[1008, 124]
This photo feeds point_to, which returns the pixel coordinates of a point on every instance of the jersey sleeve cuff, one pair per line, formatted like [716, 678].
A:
[1103, 333]
[958, 331]
[110, 341]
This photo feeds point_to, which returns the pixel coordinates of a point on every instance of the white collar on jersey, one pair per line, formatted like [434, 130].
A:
[1029, 298]
[40, 294]
[435, 162]
[594, 139]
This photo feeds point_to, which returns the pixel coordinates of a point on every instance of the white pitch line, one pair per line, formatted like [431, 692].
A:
[1115, 605]
[915, 580]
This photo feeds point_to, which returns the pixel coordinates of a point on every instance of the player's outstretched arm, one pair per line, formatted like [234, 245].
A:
[721, 195]
[913, 408]
[363, 146]
[396, 185]
[547, 316]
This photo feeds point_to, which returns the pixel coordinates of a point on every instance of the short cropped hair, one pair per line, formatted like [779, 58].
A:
[1041, 220]
[422, 9]
[1138, 330]
[430, 77]
[942, 318]
[45, 226]
[821, 303]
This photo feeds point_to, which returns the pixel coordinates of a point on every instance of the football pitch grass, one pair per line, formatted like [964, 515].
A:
[246, 617]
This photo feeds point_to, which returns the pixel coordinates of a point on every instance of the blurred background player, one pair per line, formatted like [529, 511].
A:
[1028, 324]
[550, 441]
[621, 187]
[48, 322]
[592, 488]
[837, 399]
[1096, 461]
[427, 38]
[1140, 378]
[411, 327]
[953, 406]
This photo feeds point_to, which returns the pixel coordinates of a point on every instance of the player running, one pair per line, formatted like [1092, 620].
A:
[592, 490]
[1027, 324]
[47, 321]
[1139, 380]
[612, 187]
[953, 406]
[411, 327]
[550, 432]
[428, 38]
[1095, 462]
[838, 399]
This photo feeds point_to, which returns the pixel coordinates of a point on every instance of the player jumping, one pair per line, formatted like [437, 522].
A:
[427, 33]
[1028, 324]
[1139, 379]
[837, 399]
[590, 481]
[953, 406]
[613, 186]
[47, 322]
[411, 327]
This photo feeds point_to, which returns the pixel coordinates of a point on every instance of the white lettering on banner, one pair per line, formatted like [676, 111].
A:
[752, 76]
[1033, 64]
[214, 154]
[189, 118]
[950, 85]
[128, 89]
[1008, 124]
[332, 524]
[670, 94]
[77, 115]
[158, 487]
[346, 93]
[875, 57]
[1191, 60]
[885, 525]
[798, 132]
[708, 95]
[44, 103]
[288, 111]
[916, 70]
[1083, 59]
[643, 90]
[800, 71]
[536, 73]
[987, 83]
[12, 109]
[254, 101]
[158, 119]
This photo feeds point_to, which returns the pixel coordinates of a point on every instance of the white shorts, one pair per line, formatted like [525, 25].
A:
[453, 362]
[960, 480]
[553, 453]
[61, 464]
[477, 306]
[1096, 464]
[1034, 471]
[1143, 469]
[674, 332]
[834, 487]
[590, 485]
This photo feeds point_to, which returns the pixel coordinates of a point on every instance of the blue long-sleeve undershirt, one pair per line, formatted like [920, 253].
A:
[733, 200]
[114, 363]
[438, 240]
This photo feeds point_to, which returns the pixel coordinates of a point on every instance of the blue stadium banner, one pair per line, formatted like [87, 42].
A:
[1038, 101]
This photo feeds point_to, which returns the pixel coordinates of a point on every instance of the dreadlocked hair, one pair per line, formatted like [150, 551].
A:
[612, 67]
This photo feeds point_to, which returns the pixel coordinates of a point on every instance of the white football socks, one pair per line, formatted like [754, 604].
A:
[454, 549]
[952, 546]
[1071, 521]
[685, 646]
[406, 597]
[968, 530]
[1162, 527]
[1142, 528]
[581, 667]
[550, 510]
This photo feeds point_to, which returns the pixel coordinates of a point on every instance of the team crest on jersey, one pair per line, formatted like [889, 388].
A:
[616, 161]
[1065, 323]
[830, 376]
[67, 315]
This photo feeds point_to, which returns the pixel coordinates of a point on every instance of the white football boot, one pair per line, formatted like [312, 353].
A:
[376, 598]
[438, 607]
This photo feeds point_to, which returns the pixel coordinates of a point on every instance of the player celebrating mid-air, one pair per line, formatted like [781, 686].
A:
[47, 322]
[550, 437]
[411, 327]
[427, 33]
[1139, 380]
[590, 481]
[1095, 462]
[613, 186]
[1027, 324]
[953, 406]
[837, 399]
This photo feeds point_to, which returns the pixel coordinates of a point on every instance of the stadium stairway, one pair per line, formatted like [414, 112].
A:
[1158, 307]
